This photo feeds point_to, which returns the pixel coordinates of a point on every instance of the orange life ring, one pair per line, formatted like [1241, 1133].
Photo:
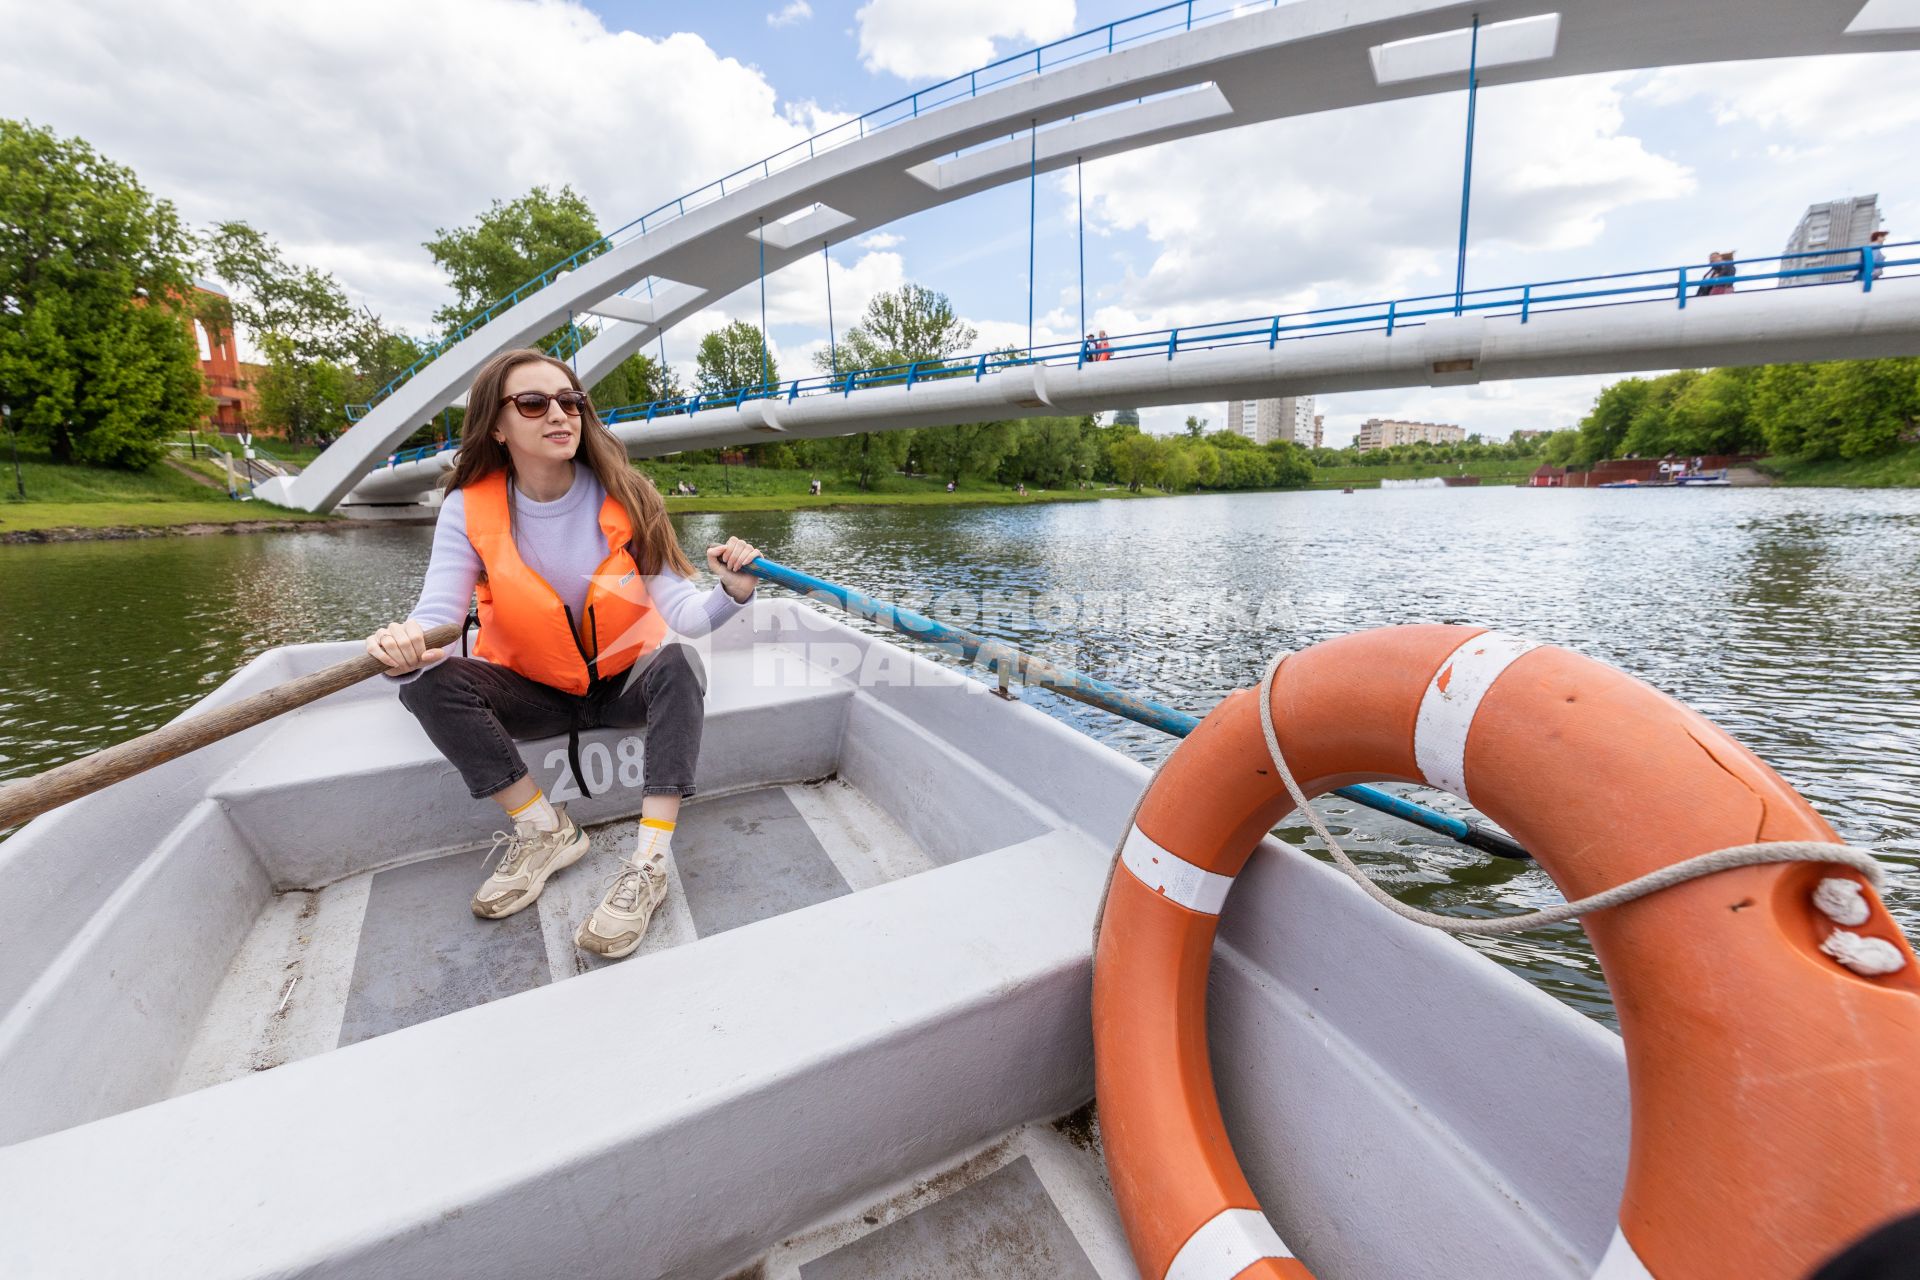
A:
[1604, 779]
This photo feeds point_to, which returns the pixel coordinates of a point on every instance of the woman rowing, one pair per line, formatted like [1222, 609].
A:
[584, 594]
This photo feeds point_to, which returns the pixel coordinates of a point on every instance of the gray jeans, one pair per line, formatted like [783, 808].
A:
[474, 710]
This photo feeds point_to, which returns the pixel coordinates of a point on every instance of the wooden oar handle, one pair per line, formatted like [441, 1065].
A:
[26, 798]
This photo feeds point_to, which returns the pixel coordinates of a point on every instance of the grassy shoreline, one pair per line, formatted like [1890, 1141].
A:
[67, 503]
[1899, 469]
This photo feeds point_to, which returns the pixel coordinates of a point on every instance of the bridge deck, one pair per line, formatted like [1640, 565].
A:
[1293, 59]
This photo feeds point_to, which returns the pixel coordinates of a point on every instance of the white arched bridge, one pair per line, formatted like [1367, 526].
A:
[1174, 72]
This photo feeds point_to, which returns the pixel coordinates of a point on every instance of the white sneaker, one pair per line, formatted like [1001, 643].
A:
[532, 857]
[620, 921]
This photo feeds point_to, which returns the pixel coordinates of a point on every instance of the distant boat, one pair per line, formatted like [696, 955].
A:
[1706, 480]
[1348, 489]
[1622, 484]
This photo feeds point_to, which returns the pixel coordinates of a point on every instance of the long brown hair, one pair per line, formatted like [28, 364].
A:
[654, 546]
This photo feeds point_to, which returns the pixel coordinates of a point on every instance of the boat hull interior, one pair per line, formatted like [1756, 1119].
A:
[251, 1028]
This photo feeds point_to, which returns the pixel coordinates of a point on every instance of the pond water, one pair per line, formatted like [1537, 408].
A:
[1790, 617]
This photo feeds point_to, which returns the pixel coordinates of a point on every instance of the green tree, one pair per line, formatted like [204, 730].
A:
[1713, 414]
[902, 326]
[1176, 468]
[1052, 452]
[1862, 407]
[1781, 405]
[866, 456]
[268, 294]
[639, 379]
[1652, 429]
[1558, 448]
[1196, 427]
[508, 245]
[304, 395]
[96, 358]
[378, 355]
[1604, 430]
[730, 358]
[321, 352]
[1206, 463]
[1292, 465]
[1245, 469]
[967, 449]
[1135, 458]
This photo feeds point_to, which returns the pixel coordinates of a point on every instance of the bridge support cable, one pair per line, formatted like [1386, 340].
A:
[1466, 170]
[833, 353]
[1080, 220]
[660, 333]
[766, 374]
[1033, 209]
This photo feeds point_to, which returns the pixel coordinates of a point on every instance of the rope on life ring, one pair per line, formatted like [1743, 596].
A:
[1550, 740]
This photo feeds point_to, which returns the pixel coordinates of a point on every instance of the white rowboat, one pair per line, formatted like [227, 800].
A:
[249, 1028]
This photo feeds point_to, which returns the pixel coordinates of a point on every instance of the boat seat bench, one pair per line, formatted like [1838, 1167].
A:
[680, 1115]
[349, 775]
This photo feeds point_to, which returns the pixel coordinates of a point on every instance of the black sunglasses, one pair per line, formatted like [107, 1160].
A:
[533, 404]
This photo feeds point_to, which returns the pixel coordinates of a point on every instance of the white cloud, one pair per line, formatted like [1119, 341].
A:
[1796, 132]
[880, 240]
[813, 118]
[798, 295]
[1301, 213]
[350, 131]
[1830, 99]
[796, 298]
[794, 11]
[917, 39]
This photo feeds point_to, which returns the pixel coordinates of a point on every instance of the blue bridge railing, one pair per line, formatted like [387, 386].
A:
[1678, 285]
[1184, 15]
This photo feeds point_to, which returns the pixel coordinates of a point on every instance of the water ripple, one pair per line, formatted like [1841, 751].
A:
[1789, 617]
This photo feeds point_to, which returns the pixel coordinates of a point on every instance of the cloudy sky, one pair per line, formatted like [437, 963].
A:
[350, 131]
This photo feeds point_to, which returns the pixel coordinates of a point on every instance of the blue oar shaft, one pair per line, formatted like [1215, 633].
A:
[971, 647]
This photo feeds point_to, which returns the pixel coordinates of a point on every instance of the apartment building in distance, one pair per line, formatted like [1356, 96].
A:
[1384, 433]
[1282, 418]
[1842, 226]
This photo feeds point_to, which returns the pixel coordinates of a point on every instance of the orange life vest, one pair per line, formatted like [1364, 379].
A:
[525, 625]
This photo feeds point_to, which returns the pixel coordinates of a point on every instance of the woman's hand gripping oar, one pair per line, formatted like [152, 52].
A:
[26, 798]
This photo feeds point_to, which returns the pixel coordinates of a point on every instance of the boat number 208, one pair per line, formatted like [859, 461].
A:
[597, 765]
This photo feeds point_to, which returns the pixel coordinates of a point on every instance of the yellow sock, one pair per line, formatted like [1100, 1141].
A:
[656, 840]
[537, 813]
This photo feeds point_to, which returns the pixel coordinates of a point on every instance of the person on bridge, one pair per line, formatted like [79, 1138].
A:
[1722, 269]
[1103, 350]
[585, 601]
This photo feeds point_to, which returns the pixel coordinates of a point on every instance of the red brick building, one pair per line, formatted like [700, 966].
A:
[233, 401]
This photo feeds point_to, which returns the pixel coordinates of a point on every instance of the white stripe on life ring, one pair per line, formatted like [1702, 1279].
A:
[1173, 876]
[1451, 701]
[1232, 1241]
[1621, 1262]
